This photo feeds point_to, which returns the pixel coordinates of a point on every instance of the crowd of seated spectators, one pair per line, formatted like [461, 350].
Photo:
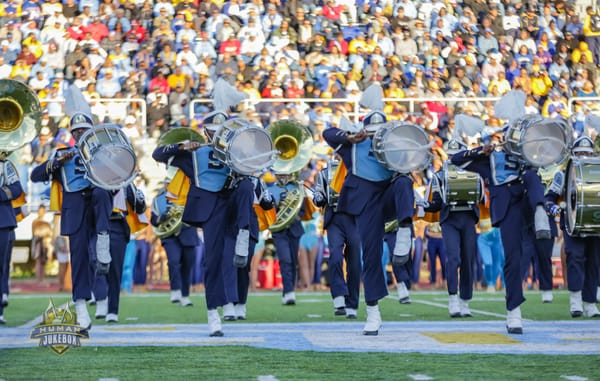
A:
[167, 53]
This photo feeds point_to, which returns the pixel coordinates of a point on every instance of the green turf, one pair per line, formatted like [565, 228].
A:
[153, 308]
[247, 363]
[240, 363]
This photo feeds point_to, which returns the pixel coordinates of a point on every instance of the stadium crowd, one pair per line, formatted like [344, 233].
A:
[168, 53]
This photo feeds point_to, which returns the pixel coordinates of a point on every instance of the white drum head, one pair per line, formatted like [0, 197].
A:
[250, 151]
[402, 147]
[545, 143]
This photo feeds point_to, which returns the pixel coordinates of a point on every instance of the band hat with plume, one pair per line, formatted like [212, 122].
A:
[78, 109]
[224, 97]
[583, 144]
[372, 98]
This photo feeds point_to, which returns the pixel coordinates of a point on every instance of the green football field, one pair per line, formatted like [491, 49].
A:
[157, 340]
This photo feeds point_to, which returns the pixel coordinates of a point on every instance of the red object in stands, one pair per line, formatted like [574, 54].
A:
[269, 275]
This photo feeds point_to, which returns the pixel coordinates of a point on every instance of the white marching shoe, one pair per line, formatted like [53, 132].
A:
[590, 310]
[339, 306]
[112, 318]
[229, 312]
[576, 304]
[547, 296]
[453, 306]
[240, 311]
[175, 296]
[83, 317]
[403, 294]
[5, 299]
[289, 298]
[186, 302]
[373, 321]
[514, 322]
[351, 313]
[2, 321]
[465, 311]
[101, 308]
[542, 225]
[402, 248]
[214, 323]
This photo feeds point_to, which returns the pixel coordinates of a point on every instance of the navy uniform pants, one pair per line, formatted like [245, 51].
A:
[109, 285]
[344, 242]
[460, 244]
[287, 245]
[582, 265]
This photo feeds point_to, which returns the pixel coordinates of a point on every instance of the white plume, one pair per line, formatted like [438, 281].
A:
[466, 125]
[75, 102]
[347, 125]
[372, 97]
[226, 96]
[511, 106]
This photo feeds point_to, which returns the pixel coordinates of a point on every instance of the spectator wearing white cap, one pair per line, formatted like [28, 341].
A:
[271, 20]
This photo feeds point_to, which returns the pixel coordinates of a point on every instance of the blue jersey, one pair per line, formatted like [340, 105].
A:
[210, 173]
[74, 175]
[505, 168]
[365, 165]
[279, 192]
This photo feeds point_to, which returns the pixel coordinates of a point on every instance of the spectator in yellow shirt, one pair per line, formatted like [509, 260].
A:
[21, 70]
[583, 49]
[591, 31]
[541, 85]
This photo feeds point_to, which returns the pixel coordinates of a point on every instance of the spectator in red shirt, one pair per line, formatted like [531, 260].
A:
[76, 30]
[161, 82]
[98, 30]
[137, 30]
[340, 42]
[232, 46]
[331, 11]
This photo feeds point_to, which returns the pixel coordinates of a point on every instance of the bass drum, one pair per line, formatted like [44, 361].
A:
[460, 188]
[243, 147]
[402, 147]
[582, 214]
[538, 141]
[108, 157]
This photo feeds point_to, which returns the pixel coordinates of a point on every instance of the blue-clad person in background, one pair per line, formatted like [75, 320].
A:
[582, 250]
[516, 199]
[343, 240]
[10, 190]
[107, 288]
[179, 241]
[371, 191]
[85, 212]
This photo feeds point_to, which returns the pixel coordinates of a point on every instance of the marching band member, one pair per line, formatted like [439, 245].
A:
[370, 188]
[179, 244]
[10, 190]
[343, 241]
[458, 222]
[128, 203]
[582, 252]
[85, 209]
[209, 205]
[287, 240]
[515, 192]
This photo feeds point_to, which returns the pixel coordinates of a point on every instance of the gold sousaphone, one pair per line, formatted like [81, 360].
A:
[172, 225]
[294, 143]
[20, 115]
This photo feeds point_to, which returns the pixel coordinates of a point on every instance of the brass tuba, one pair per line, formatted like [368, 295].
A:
[172, 225]
[294, 143]
[20, 115]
